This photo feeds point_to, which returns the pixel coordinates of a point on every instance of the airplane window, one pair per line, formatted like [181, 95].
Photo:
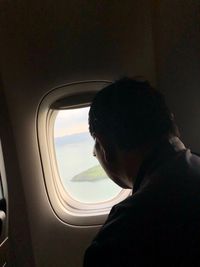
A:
[80, 173]
[79, 191]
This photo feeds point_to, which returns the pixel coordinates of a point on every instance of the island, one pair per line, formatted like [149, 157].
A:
[93, 174]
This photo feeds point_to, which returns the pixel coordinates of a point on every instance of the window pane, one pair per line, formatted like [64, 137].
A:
[80, 172]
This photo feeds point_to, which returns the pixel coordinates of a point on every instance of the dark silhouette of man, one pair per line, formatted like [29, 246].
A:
[137, 143]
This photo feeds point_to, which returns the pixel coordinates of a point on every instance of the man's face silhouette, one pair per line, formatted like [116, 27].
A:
[107, 155]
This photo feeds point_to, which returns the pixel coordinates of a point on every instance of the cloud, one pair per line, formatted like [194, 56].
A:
[71, 121]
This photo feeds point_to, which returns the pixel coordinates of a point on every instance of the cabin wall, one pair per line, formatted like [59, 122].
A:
[47, 44]
[176, 28]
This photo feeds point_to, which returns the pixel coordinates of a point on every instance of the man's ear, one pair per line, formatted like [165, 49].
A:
[105, 146]
[101, 144]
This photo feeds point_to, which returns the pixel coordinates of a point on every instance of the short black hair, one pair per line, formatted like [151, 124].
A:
[131, 113]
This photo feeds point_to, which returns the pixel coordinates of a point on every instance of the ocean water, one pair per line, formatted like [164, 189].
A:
[77, 157]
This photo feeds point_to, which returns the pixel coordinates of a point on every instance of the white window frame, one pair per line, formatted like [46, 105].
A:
[66, 208]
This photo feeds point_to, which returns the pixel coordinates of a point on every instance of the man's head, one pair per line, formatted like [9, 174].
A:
[127, 115]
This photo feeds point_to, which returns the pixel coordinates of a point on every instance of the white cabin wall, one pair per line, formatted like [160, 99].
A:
[19, 251]
[177, 53]
[46, 44]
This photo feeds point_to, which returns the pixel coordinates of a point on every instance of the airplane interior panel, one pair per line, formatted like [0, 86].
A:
[46, 48]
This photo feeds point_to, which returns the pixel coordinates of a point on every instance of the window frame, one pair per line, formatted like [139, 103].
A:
[65, 207]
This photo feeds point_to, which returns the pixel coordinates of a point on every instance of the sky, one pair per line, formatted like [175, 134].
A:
[71, 121]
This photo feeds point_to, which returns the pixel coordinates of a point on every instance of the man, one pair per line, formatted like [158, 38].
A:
[137, 144]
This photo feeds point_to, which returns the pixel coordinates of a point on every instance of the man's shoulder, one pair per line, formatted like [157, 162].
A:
[129, 213]
[193, 163]
[182, 173]
[180, 180]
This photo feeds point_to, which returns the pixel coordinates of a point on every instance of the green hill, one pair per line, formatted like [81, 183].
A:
[91, 175]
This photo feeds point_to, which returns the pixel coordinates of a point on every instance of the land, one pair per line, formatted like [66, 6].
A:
[93, 174]
[72, 139]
